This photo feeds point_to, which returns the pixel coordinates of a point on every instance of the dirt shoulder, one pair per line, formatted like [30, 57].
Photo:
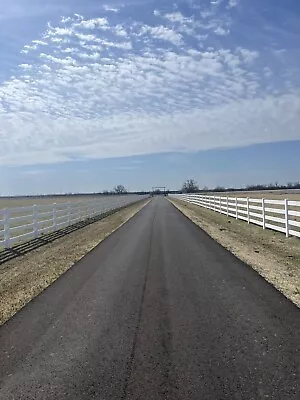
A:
[24, 278]
[270, 253]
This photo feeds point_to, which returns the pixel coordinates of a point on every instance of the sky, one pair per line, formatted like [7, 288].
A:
[148, 93]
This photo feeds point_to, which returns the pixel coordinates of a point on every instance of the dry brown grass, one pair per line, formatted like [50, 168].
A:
[24, 278]
[266, 194]
[270, 253]
[29, 201]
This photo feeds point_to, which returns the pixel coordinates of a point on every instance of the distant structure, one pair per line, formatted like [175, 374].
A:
[159, 191]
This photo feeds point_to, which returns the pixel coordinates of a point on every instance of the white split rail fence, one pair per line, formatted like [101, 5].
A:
[278, 215]
[24, 223]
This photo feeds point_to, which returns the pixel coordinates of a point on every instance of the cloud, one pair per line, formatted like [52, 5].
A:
[112, 9]
[221, 31]
[25, 66]
[92, 88]
[36, 172]
[163, 33]
[248, 55]
[233, 3]
[100, 23]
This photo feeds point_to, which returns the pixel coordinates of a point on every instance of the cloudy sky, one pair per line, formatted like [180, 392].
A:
[148, 93]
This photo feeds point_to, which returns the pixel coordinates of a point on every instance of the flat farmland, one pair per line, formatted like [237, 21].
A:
[28, 218]
[292, 195]
[268, 194]
[11, 202]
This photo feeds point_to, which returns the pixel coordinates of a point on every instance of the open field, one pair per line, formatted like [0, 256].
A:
[293, 194]
[11, 202]
[24, 223]
[25, 277]
[270, 253]
[279, 214]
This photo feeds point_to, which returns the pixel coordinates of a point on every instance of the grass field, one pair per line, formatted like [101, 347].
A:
[21, 220]
[272, 194]
[12, 202]
[6, 202]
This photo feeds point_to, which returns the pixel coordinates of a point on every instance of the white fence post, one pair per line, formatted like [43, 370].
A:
[263, 213]
[248, 211]
[214, 203]
[6, 223]
[227, 206]
[236, 208]
[35, 221]
[69, 212]
[54, 224]
[83, 211]
[220, 205]
[286, 212]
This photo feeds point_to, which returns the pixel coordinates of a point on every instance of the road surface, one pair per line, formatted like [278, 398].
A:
[157, 311]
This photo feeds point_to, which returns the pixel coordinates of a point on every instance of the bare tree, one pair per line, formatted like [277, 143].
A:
[120, 189]
[190, 186]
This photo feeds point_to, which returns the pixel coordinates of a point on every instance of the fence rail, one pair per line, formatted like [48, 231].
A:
[278, 215]
[24, 223]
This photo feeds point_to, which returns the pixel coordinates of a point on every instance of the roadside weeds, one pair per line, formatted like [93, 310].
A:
[24, 278]
[270, 253]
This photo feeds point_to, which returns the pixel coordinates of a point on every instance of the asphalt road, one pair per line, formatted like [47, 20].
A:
[157, 311]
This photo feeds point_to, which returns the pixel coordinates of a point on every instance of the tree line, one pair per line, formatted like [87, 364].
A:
[191, 186]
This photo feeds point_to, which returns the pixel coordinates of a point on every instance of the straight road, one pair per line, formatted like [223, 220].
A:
[157, 311]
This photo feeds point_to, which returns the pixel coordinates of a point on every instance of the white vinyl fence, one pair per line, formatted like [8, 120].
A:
[278, 215]
[25, 223]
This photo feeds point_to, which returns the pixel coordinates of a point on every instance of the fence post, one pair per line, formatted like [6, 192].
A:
[35, 221]
[286, 211]
[69, 212]
[6, 223]
[220, 205]
[236, 208]
[248, 211]
[54, 216]
[263, 213]
[83, 211]
[227, 206]
[214, 203]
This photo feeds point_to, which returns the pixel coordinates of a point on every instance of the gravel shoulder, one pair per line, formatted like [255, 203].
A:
[24, 278]
[270, 253]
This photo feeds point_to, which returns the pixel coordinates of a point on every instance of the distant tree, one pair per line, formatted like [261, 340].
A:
[219, 189]
[190, 186]
[120, 189]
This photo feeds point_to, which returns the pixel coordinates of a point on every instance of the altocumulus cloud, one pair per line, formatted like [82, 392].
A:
[112, 86]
